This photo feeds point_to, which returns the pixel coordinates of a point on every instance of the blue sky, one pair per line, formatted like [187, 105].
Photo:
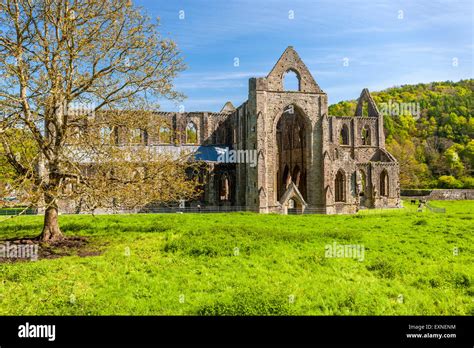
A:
[386, 43]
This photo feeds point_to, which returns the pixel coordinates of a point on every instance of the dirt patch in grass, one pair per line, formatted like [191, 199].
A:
[30, 249]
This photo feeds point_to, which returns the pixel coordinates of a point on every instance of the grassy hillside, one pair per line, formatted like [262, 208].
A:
[436, 148]
[249, 264]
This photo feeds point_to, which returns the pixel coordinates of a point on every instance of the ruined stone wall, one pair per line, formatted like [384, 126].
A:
[270, 101]
[253, 127]
[211, 128]
[439, 194]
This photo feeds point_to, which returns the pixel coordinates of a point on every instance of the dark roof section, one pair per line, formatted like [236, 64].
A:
[209, 153]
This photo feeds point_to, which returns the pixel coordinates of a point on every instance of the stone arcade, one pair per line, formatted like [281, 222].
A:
[306, 160]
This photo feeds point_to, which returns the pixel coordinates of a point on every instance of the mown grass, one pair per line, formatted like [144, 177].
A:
[249, 264]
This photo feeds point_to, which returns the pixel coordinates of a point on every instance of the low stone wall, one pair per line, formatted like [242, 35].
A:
[443, 194]
[452, 194]
[415, 192]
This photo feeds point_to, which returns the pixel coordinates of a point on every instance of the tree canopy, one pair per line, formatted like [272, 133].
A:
[63, 64]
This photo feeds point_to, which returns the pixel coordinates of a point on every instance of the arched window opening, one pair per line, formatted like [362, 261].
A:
[363, 183]
[339, 185]
[165, 135]
[366, 136]
[291, 81]
[384, 188]
[106, 135]
[353, 184]
[191, 133]
[344, 136]
[135, 136]
[224, 188]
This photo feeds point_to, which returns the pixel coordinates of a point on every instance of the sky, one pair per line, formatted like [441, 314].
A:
[347, 45]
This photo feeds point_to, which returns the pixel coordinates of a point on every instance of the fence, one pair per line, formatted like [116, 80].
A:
[18, 211]
[374, 211]
[195, 210]
[435, 209]
[202, 210]
[157, 210]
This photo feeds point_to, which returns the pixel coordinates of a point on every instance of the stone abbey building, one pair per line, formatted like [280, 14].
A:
[290, 155]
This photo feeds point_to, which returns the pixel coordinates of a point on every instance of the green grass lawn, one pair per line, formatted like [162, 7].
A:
[188, 264]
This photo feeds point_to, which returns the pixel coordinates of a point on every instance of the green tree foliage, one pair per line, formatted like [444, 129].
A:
[435, 147]
[448, 181]
[24, 150]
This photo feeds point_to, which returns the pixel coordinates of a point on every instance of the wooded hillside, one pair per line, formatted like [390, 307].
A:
[429, 128]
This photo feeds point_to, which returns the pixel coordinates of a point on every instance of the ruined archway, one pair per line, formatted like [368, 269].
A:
[366, 135]
[344, 135]
[340, 187]
[384, 184]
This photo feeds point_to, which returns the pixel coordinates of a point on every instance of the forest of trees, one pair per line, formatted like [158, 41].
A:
[435, 146]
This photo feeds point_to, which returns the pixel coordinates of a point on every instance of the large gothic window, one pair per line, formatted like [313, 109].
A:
[366, 136]
[384, 189]
[339, 187]
[291, 150]
[344, 136]
[191, 133]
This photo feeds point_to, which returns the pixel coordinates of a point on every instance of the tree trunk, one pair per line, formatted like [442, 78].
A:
[51, 231]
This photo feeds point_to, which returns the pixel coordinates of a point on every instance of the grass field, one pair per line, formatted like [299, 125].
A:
[249, 264]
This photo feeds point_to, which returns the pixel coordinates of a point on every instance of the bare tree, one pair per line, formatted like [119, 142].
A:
[57, 56]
